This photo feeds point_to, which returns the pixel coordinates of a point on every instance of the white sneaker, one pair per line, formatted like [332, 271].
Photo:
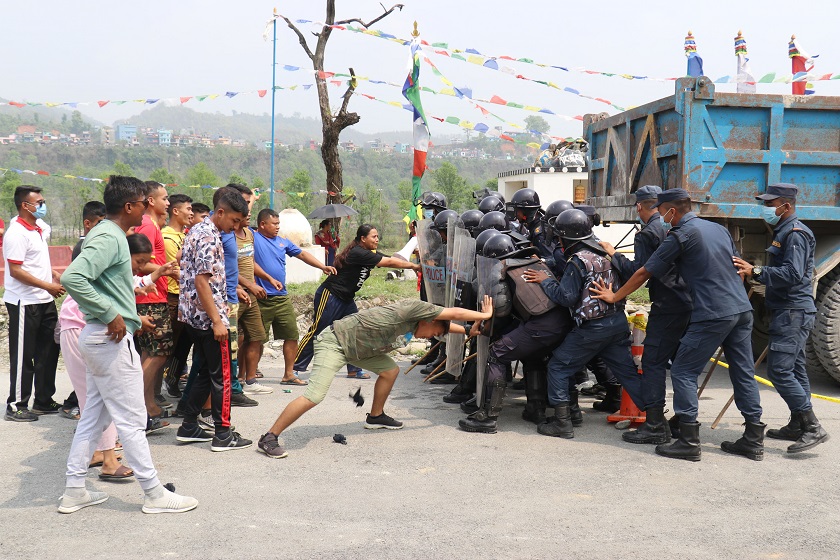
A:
[170, 502]
[69, 505]
[256, 388]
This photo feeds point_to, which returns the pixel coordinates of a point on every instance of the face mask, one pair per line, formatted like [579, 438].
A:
[769, 215]
[41, 211]
[666, 225]
[428, 214]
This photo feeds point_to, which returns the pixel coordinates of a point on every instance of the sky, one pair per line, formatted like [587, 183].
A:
[58, 51]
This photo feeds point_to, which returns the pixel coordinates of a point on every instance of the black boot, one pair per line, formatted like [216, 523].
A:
[751, 444]
[458, 395]
[674, 426]
[687, 447]
[445, 379]
[466, 385]
[484, 420]
[574, 408]
[428, 358]
[536, 390]
[612, 402]
[654, 430]
[813, 433]
[790, 431]
[470, 406]
[441, 357]
[560, 425]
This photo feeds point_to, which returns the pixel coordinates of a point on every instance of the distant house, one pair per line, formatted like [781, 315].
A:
[164, 137]
[26, 129]
[106, 136]
[401, 148]
[126, 132]
[348, 146]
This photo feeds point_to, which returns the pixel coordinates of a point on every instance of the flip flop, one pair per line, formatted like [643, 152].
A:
[121, 473]
[360, 375]
[295, 381]
[95, 464]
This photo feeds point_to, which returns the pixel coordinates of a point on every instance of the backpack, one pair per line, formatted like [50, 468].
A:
[529, 299]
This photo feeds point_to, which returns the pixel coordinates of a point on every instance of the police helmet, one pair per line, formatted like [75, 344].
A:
[498, 247]
[494, 220]
[441, 222]
[573, 225]
[556, 208]
[482, 238]
[485, 192]
[525, 198]
[471, 218]
[491, 203]
[591, 213]
[434, 200]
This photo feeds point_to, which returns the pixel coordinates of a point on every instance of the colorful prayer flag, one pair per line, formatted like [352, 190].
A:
[411, 91]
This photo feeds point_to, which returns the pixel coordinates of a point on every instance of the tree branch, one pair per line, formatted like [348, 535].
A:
[301, 38]
[371, 22]
[349, 93]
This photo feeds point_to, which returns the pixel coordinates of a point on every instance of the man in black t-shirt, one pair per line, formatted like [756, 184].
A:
[334, 297]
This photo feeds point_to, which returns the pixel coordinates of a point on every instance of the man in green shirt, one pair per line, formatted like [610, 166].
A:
[365, 338]
[100, 280]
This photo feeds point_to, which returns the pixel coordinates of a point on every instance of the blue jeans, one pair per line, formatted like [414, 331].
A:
[608, 338]
[789, 329]
[698, 345]
[662, 340]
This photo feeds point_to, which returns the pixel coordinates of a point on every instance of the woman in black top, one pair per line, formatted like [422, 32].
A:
[334, 297]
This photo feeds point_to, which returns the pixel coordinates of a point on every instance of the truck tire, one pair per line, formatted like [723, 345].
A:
[761, 326]
[826, 333]
[813, 365]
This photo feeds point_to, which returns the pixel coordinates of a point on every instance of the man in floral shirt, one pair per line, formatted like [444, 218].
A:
[202, 307]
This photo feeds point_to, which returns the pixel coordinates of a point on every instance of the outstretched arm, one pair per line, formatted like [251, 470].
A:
[396, 262]
[459, 314]
[313, 262]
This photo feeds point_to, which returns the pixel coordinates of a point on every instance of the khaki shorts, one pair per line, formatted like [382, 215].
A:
[251, 323]
[329, 358]
[233, 332]
[160, 341]
[278, 315]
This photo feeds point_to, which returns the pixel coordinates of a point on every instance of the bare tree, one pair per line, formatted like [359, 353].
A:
[333, 124]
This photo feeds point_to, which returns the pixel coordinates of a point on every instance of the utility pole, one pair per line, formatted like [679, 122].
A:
[273, 95]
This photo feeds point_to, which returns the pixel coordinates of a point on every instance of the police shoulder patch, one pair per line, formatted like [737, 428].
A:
[776, 244]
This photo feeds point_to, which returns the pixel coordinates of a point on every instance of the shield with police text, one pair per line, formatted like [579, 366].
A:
[489, 272]
[461, 293]
[433, 260]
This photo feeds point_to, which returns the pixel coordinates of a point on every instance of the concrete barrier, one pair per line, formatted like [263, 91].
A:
[60, 256]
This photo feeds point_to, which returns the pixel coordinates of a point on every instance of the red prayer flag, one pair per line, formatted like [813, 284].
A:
[102, 103]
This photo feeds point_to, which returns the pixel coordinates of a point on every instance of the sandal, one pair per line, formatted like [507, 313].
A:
[360, 375]
[121, 473]
[294, 381]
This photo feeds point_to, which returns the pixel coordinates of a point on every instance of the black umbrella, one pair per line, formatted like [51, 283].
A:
[332, 211]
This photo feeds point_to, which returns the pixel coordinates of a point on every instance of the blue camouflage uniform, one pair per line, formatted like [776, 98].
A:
[670, 305]
[721, 315]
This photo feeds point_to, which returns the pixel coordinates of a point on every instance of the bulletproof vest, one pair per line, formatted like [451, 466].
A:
[597, 268]
[529, 299]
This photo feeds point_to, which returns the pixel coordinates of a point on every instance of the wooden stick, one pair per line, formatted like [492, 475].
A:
[467, 359]
[709, 375]
[732, 398]
[417, 363]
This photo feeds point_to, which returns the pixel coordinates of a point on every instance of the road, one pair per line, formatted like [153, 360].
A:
[432, 491]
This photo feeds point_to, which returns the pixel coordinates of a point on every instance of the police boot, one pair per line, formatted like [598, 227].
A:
[465, 388]
[654, 430]
[560, 425]
[484, 420]
[441, 357]
[790, 431]
[575, 412]
[428, 358]
[751, 444]
[470, 406]
[687, 447]
[612, 402]
[813, 433]
[536, 391]
[674, 426]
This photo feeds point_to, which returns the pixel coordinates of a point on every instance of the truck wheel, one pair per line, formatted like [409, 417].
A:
[826, 333]
[813, 365]
[761, 326]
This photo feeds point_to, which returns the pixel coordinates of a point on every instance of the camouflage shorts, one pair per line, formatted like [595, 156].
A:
[158, 342]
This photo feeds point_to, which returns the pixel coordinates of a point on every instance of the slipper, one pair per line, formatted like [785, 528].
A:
[360, 375]
[95, 464]
[295, 381]
[121, 473]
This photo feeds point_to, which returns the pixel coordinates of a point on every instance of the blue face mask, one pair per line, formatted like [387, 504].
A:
[40, 211]
[665, 225]
[428, 214]
[768, 213]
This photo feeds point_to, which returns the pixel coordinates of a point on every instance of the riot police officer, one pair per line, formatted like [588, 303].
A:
[601, 328]
[526, 207]
[491, 203]
[721, 316]
[788, 297]
[471, 219]
[669, 314]
[432, 204]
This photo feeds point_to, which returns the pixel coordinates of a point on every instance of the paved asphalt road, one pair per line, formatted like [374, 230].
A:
[432, 491]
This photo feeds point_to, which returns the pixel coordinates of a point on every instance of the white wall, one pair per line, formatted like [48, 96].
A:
[298, 271]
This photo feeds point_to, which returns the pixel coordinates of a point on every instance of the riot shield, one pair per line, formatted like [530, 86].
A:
[433, 259]
[489, 271]
[460, 289]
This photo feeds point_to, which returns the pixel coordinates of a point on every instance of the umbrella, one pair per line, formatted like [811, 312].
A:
[332, 211]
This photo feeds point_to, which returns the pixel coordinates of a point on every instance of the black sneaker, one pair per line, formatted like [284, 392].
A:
[232, 441]
[51, 408]
[269, 445]
[382, 421]
[20, 415]
[192, 433]
[241, 399]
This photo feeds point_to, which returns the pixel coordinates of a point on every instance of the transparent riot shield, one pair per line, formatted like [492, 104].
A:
[489, 272]
[460, 288]
[433, 259]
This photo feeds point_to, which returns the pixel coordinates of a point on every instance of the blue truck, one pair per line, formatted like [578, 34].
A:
[723, 148]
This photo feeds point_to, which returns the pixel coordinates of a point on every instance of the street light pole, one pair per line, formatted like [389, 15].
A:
[273, 95]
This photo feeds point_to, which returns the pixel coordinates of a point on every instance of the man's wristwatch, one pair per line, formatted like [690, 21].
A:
[756, 271]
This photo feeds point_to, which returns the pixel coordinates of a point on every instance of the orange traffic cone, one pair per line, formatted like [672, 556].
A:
[629, 410]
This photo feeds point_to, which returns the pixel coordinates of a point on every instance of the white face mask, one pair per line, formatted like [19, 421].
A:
[428, 214]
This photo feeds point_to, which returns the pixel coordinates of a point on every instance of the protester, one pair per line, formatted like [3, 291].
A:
[278, 315]
[31, 287]
[327, 240]
[365, 338]
[200, 211]
[100, 280]
[202, 306]
[353, 266]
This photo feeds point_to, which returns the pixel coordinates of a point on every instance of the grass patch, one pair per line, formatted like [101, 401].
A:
[642, 295]
[375, 286]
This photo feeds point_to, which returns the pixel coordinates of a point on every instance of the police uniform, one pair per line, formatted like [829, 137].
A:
[721, 317]
[788, 279]
[670, 305]
[537, 237]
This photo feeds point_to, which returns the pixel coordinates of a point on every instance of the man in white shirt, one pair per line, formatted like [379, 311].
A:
[31, 289]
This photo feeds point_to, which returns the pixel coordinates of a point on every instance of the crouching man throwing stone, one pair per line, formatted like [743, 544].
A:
[365, 338]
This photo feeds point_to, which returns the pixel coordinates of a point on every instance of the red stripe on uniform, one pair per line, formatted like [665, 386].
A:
[225, 384]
